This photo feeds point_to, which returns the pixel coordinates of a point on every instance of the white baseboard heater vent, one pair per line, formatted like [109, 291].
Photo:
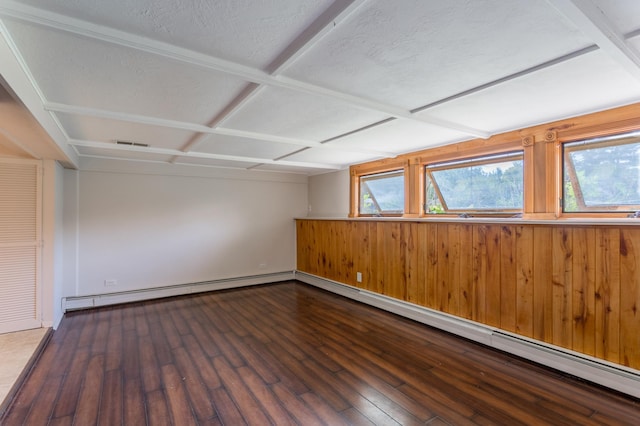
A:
[92, 301]
[604, 373]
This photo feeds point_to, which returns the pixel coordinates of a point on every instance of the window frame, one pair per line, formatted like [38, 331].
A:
[375, 167]
[607, 138]
[543, 170]
[461, 163]
[381, 175]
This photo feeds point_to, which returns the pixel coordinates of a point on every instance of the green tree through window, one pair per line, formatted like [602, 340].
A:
[382, 193]
[486, 184]
[602, 174]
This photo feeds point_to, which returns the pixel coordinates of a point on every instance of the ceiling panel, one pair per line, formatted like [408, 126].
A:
[79, 71]
[105, 130]
[623, 14]
[348, 68]
[298, 115]
[329, 156]
[562, 91]
[634, 43]
[122, 154]
[424, 51]
[230, 145]
[210, 162]
[245, 31]
[400, 136]
[289, 169]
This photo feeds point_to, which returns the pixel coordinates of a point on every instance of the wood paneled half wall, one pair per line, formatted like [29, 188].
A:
[576, 286]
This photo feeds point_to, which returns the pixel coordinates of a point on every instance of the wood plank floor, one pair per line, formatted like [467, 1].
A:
[288, 353]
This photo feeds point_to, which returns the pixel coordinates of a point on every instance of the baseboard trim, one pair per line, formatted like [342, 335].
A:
[96, 300]
[604, 373]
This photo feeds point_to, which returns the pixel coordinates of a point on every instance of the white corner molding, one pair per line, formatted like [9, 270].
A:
[604, 373]
[106, 299]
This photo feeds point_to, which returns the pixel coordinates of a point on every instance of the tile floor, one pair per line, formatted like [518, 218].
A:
[16, 350]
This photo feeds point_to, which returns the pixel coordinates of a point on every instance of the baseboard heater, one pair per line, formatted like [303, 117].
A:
[96, 300]
[604, 373]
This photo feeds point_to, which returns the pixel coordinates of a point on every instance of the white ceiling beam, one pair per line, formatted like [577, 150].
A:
[15, 73]
[16, 10]
[338, 12]
[199, 128]
[592, 21]
[316, 31]
[192, 154]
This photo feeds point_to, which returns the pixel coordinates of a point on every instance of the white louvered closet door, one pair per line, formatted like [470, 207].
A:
[20, 236]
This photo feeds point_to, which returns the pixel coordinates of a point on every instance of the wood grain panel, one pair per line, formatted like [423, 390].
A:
[524, 280]
[562, 249]
[608, 294]
[508, 278]
[466, 296]
[430, 245]
[492, 286]
[584, 293]
[479, 273]
[630, 300]
[542, 290]
[569, 285]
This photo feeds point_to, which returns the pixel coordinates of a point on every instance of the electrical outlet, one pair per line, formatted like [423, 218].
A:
[263, 265]
[359, 277]
[110, 283]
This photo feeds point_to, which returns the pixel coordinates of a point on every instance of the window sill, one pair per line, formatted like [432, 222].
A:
[492, 220]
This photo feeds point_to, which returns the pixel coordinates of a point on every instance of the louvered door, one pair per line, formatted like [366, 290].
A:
[20, 236]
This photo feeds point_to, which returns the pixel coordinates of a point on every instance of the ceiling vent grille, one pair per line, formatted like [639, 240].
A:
[145, 145]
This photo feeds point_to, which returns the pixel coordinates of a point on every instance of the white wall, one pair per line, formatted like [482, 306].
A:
[145, 229]
[58, 244]
[53, 243]
[70, 235]
[329, 195]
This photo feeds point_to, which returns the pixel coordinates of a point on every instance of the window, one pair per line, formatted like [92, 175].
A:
[489, 184]
[382, 193]
[602, 174]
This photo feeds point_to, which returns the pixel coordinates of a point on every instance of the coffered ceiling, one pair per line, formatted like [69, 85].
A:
[309, 86]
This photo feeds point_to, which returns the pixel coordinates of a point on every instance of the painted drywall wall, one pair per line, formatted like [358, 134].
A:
[145, 230]
[53, 243]
[329, 195]
[47, 262]
[58, 243]
[70, 226]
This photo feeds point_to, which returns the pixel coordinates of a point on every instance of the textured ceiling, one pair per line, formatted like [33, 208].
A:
[308, 86]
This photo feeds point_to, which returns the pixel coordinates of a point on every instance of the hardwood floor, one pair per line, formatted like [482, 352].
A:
[288, 353]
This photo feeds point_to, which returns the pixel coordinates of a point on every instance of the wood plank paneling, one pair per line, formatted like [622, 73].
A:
[466, 295]
[584, 293]
[562, 249]
[630, 299]
[508, 278]
[492, 302]
[569, 285]
[524, 280]
[608, 294]
[479, 272]
[542, 290]
[430, 244]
